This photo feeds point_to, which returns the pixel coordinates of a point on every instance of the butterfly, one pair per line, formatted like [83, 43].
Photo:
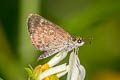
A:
[49, 37]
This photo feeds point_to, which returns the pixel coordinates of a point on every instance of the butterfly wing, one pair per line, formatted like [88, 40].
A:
[45, 35]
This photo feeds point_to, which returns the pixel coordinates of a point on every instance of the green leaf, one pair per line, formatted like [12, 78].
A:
[30, 67]
[1, 78]
[29, 71]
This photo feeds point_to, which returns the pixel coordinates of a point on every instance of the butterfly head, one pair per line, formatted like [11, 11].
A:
[78, 41]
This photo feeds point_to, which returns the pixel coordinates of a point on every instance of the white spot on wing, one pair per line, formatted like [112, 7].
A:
[51, 31]
[41, 21]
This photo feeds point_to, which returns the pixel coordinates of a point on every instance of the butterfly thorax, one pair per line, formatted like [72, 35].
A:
[74, 43]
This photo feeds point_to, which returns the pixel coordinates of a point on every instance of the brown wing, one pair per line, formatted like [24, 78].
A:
[45, 35]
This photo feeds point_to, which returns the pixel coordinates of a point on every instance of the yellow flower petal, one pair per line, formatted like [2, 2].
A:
[47, 78]
[37, 68]
[52, 77]
[45, 67]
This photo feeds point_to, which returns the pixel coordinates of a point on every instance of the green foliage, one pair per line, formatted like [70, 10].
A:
[29, 70]
[1, 79]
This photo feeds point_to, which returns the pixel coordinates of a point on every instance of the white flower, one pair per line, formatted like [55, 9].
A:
[57, 58]
[58, 70]
[74, 69]
[77, 71]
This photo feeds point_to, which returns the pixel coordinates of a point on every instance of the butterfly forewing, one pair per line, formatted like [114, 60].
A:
[45, 35]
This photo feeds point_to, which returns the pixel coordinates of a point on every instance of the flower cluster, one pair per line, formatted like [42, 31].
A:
[50, 71]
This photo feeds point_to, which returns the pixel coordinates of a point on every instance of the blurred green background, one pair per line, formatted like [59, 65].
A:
[97, 19]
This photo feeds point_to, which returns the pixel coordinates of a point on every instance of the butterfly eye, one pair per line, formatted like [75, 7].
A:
[79, 40]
